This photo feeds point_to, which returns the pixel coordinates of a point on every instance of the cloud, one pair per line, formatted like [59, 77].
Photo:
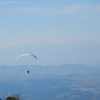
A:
[48, 39]
[9, 3]
[78, 10]
[97, 9]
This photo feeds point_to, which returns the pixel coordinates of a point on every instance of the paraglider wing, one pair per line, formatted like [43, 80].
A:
[26, 55]
[34, 56]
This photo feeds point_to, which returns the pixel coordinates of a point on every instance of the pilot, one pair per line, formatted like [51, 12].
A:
[28, 71]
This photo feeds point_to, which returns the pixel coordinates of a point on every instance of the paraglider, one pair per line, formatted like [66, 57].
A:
[26, 55]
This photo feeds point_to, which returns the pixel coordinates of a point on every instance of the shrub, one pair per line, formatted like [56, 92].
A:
[13, 97]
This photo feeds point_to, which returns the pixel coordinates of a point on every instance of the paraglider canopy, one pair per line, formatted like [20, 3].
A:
[26, 55]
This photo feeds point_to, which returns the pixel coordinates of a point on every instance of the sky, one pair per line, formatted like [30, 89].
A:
[56, 31]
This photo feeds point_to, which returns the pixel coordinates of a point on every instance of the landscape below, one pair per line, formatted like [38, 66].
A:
[51, 82]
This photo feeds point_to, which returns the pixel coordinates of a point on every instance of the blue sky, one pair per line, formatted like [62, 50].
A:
[58, 32]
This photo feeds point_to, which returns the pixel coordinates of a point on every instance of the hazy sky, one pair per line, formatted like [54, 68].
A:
[56, 31]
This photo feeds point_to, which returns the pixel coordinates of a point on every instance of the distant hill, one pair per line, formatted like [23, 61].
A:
[64, 69]
[96, 65]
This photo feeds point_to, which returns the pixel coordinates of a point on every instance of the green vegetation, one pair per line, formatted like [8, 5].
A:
[13, 97]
